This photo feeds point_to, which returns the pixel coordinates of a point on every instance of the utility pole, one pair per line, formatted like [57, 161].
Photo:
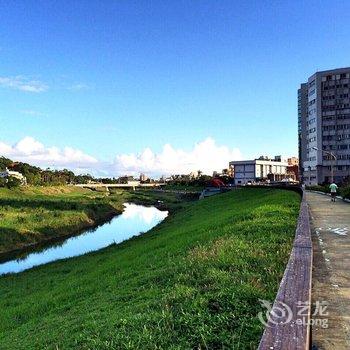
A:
[334, 158]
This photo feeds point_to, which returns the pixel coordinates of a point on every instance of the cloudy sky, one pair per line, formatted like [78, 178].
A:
[205, 155]
[162, 86]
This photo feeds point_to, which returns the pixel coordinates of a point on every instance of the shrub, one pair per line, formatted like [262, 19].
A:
[321, 188]
[2, 182]
[345, 192]
[13, 182]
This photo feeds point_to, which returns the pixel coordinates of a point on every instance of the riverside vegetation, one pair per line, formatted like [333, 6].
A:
[192, 282]
[31, 215]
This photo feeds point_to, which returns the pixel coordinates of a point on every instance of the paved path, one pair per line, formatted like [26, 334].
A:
[331, 270]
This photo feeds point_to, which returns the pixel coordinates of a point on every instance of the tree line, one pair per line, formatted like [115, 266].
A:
[38, 176]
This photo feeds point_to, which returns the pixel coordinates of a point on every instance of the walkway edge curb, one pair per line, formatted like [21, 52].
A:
[286, 332]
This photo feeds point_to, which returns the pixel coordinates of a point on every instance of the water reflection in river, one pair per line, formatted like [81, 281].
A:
[134, 220]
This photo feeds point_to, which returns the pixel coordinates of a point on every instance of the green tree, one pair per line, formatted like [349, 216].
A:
[2, 182]
[5, 163]
[13, 182]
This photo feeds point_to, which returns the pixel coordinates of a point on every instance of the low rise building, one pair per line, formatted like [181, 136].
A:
[10, 173]
[293, 161]
[293, 169]
[144, 178]
[259, 170]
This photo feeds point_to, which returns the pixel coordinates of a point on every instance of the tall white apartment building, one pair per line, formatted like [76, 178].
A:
[324, 127]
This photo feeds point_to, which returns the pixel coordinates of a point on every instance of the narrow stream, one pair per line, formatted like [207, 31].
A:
[134, 220]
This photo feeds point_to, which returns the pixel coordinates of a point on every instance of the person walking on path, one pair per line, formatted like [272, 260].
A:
[333, 187]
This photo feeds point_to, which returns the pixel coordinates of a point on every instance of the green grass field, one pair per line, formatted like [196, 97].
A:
[193, 282]
[183, 187]
[31, 215]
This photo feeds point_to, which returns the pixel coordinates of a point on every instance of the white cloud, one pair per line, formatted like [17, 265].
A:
[23, 84]
[28, 84]
[205, 155]
[28, 147]
[34, 152]
[32, 113]
[79, 87]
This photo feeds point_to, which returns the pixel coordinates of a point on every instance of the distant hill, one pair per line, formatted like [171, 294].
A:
[38, 176]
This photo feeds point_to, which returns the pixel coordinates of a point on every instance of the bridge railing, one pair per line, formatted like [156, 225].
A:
[288, 327]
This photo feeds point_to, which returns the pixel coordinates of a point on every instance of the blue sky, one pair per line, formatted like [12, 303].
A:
[114, 78]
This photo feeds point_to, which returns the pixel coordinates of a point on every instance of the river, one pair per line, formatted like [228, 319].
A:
[134, 220]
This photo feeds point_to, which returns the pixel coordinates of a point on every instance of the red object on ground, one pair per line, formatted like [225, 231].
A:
[216, 183]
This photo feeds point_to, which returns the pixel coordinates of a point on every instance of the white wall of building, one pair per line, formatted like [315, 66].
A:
[257, 170]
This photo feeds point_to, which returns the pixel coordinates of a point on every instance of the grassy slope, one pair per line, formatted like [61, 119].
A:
[29, 215]
[192, 282]
[179, 187]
